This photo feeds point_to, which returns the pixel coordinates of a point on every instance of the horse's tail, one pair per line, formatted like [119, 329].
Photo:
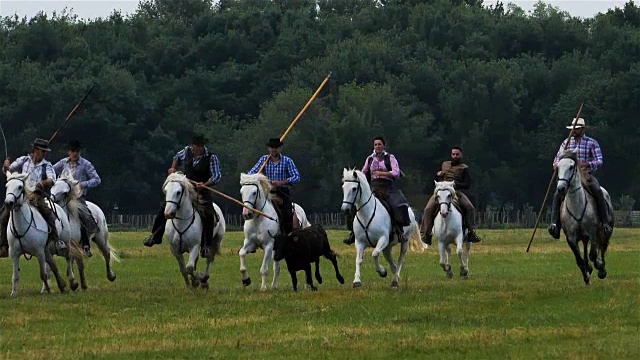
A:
[75, 251]
[415, 242]
[113, 255]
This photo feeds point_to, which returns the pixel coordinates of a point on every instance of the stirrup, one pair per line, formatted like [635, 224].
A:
[149, 241]
[472, 237]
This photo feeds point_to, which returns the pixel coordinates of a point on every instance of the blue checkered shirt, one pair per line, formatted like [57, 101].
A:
[24, 164]
[83, 171]
[285, 169]
[214, 164]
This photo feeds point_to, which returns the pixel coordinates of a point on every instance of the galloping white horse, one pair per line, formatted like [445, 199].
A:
[579, 217]
[258, 230]
[447, 227]
[65, 192]
[372, 226]
[184, 229]
[28, 233]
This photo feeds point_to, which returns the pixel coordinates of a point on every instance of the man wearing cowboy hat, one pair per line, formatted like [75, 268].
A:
[201, 166]
[41, 178]
[283, 173]
[82, 170]
[590, 157]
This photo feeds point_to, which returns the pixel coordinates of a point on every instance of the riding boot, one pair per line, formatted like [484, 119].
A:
[426, 225]
[50, 217]
[84, 240]
[157, 231]
[4, 241]
[88, 226]
[208, 225]
[401, 220]
[351, 238]
[601, 204]
[554, 227]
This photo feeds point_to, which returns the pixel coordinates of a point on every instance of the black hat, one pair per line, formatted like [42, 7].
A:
[41, 144]
[282, 191]
[74, 145]
[198, 139]
[274, 143]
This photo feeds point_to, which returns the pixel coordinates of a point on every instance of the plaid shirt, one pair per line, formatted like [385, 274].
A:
[588, 151]
[25, 165]
[214, 164]
[285, 169]
[83, 171]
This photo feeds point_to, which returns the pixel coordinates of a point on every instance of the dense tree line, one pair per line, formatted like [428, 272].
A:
[425, 74]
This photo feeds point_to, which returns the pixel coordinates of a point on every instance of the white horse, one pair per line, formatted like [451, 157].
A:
[447, 227]
[258, 230]
[28, 233]
[372, 227]
[65, 192]
[579, 217]
[184, 228]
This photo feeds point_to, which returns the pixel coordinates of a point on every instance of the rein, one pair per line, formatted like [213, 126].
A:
[353, 206]
[253, 204]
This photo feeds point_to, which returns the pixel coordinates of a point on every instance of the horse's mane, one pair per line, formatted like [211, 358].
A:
[73, 194]
[354, 175]
[188, 186]
[446, 185]
[572, 155]
[256, 179]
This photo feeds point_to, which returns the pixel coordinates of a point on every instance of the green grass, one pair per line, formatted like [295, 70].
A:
[516, 305]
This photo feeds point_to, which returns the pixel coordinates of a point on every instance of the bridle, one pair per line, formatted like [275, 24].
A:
[568, 181]
[448, 203]
[353, 206]
[570, 191]
[177, 203]
[252, 204]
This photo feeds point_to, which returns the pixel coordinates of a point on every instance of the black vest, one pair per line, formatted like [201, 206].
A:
[201, 171]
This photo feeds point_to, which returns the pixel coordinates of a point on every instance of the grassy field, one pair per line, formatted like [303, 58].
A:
[515, 305]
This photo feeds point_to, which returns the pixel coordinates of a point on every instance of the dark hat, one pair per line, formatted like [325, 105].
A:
[282, 191]
[198, 139]
[274, 143]
[41, 144]
[74, 145]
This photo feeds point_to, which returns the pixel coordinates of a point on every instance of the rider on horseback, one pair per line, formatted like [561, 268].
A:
[457, 171]
[82, 170]
[282, 172]
[590, 157]
[41, 177]
[382, 170]
[203, 167]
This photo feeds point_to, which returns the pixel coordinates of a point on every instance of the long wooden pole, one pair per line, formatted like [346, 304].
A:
[234, 200]
[555, 170]
[298, 117]
[73, 111]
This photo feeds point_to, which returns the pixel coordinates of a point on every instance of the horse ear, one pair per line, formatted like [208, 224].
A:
[354, 174]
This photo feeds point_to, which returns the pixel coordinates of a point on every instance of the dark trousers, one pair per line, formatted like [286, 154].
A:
[88, 224]
[430, 212]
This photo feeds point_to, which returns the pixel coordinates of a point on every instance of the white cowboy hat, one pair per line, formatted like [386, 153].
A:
[579, 124]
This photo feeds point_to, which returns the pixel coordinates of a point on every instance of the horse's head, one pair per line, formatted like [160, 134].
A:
[254, 190]
[352, 186]
[445, 194]
[177, 189]
[568, 171]
[65, 187]
[17, 190]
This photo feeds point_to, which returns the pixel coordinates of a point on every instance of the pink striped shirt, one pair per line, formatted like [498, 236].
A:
[377, 164]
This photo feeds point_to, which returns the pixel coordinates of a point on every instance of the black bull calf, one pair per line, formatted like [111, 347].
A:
[302, 247]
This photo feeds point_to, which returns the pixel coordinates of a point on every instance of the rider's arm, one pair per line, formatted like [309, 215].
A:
[256, 167]
[596, 154]
[559, 153]
[17, 164]
[51, 175]
[395, 168]
[292, 171]
[365, 167]
[92, 174]
[59, 166]
[179, 158]
[214, 170]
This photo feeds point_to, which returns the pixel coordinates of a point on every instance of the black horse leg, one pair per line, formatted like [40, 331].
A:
[332, 257]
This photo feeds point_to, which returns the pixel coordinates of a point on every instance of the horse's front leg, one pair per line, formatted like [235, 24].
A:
[181, 265]
[247, 247]
[464, 265]
[15, 259]
[204, 278]
[264, 269]
[573, 244]
[70, 257]
[191, 265]
[382, 244]
[460, 252]
[276, 273]
[360, 246]
[445, 253]
[54, 268]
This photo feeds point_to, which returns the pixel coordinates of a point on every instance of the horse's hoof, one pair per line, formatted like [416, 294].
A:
[357, 284]
[602, 274]
[74, 285]
[340, 279]
[394, 284]
[383, 273]
[204, 285]
[205, 278]
[319, 278]
[246, 282]
[450, 274]
[195, 283]
[83, 287]
[111, 278]
[313, 288]
[189, 269]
